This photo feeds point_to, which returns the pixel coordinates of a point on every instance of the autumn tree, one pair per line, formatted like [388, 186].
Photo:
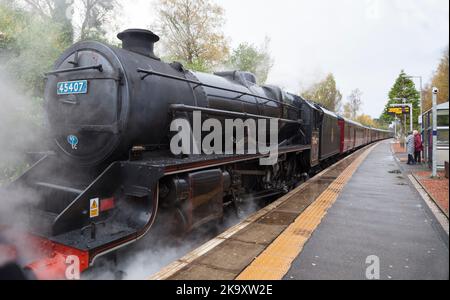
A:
[366, 120]
[439, 80]
[250, 58]
[325, 93]
[192, 32]
[353, 106]
[404, 88]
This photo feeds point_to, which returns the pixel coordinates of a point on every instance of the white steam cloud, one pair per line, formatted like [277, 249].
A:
[18, 135]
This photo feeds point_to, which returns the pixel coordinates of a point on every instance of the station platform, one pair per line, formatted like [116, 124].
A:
[360, 212]
[379, 213]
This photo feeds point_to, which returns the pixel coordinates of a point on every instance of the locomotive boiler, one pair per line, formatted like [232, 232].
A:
[131, 97]
[111, 172]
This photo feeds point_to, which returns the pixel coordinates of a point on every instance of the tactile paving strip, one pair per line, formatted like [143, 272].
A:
[275, 262]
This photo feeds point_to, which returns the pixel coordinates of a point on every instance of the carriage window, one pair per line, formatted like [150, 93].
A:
[443, 120]
[443, 137]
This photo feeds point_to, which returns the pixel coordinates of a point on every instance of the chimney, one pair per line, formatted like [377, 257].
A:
[139, 41]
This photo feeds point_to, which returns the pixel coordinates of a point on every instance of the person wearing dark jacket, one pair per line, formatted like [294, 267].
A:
[418, 145]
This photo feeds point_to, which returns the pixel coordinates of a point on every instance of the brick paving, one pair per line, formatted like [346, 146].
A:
[437, 188]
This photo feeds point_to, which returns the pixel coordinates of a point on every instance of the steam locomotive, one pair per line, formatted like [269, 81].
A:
[111, 172]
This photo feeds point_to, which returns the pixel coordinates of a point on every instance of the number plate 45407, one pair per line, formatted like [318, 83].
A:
[72, 87]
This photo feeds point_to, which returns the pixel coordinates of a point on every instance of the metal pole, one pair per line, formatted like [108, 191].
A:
[435, 132]
[404, 117]
[422, 125]
[421, 95]
[395, 127]
[411, 116]
[421, 101]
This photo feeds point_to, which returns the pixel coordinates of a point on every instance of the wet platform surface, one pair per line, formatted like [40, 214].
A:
[378, 214]
[229, 254]
[362, 207]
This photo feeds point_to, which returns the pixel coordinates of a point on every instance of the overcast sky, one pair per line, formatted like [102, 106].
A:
[365, 43]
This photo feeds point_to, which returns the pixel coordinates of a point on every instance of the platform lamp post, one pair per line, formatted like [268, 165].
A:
[395, 127]
[421, 96]
[421, 121]
[404, 116]
[402, 126]
[435, 131]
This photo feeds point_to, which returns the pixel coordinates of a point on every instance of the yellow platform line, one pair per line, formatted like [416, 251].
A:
[276, 261]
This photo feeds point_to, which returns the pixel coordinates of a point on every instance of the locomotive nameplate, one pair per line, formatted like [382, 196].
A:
[72, 87]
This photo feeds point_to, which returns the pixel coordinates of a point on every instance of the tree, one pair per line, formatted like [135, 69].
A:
[56, 11]
[31, 45]
[353, 106]
[366, 120]
[439, 80]
[28, 47]
[91, 16]
[325, 93]
[95, 15]
[248, 57]
[404, 88]
[192, 32]
[10, 23]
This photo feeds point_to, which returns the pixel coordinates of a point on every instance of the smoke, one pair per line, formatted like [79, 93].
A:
[146, 263]
[161, 248]
[20, 130]
[19, 133]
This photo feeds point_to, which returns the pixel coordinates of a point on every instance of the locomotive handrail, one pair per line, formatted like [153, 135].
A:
[97, 67]
[182, 107]
[198, 83]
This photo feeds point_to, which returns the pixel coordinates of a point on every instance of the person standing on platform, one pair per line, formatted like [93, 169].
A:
[418, 144]
[410, 148]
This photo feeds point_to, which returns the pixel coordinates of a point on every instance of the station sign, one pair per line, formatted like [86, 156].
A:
[399, 110]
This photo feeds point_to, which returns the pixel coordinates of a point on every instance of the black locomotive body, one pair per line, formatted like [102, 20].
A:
[133, 97]
[112, 172]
